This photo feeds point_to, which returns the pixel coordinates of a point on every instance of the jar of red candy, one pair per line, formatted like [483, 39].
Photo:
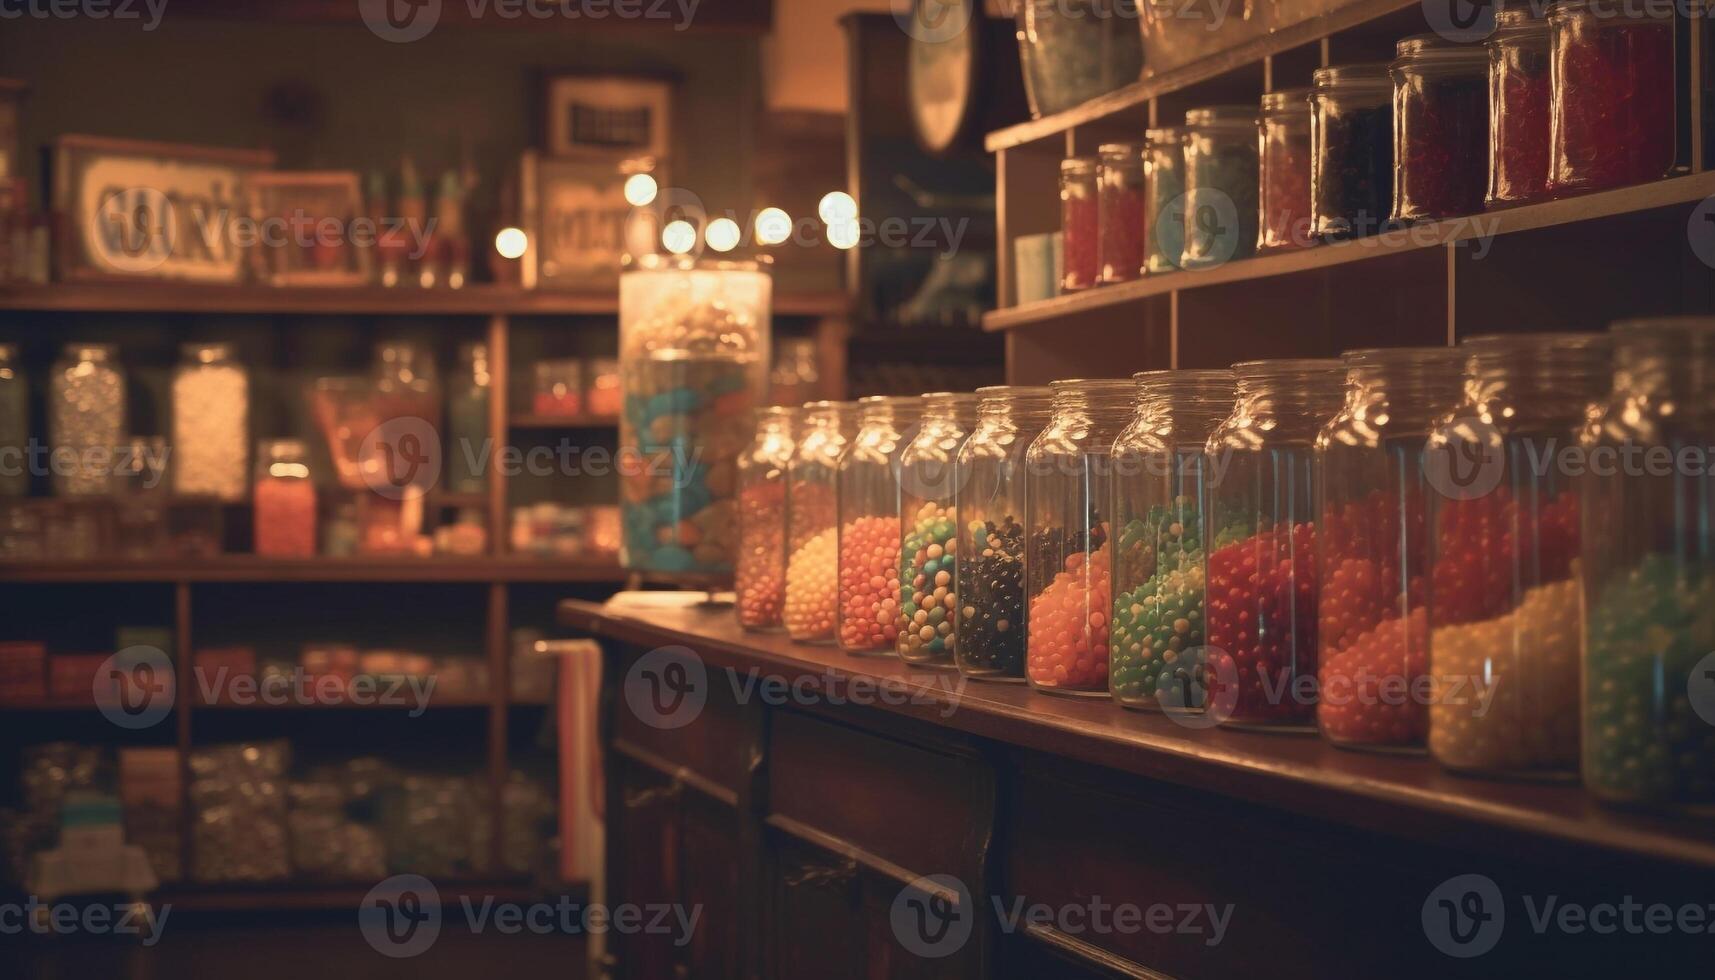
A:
[812, 529]
[1612, 121]
[1441, 128]
[1649, 570]
[1079, 224]
[868, 510]
[1120, 216]
[1351, 150]
[1518, 107]
[1373, 548]
[284, 500]
[1504, 639]
[1157, 639]
[1221, 184]
[1260, 529]
[1164, 185]
[928, 532]
[988, 495]
[1285, 198]
[759, 573]
[1066, 556]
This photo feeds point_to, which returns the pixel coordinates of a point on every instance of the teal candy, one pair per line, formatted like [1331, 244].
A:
[671, 558]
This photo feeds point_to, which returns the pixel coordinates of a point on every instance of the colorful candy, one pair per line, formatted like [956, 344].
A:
[869, 587]
[1158, 628]
[759, 580]
[928, 604]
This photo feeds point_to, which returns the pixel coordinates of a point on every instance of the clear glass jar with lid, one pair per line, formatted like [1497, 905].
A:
[759, 572]
[1649, 570]
[1518, 106]
[14, 423]
[1119, 218]
[869, 525]
[1075, 50]
[467, 420]
[989, 512]
[1351, 150]
[1441, 128]
[1221, 185]
[1160, 472]
[1067, 485]
[1080, 224]
[1259, 522]
[1164, 189]
[928, 531]
[86, 416]
[284, 499]
[1612, 116]
[812, 528]
[1372, 548]
[1504, 595]
[1284, 197]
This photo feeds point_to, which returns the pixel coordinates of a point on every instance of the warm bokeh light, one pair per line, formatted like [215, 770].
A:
[773, 226]
[843, 234]
[836, 207]
[511, 243]
[679, 237]
[640, 190]
[722, 234]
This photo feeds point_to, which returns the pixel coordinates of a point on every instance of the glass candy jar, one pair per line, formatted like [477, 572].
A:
[1079, 224]
[1351, 150]
[1067, 472]
[1372, 547]
[1120, 216]
[929, 538]
[1503, 646]
[86, 416]
[1649, 571]
[1441, 128]
[1259, 525]
[1164, 198]
[1160, 473]
[812, 528]
[1612, 116]
[989, 511]
[1221, 185]
[759, 574]
[1285, 169]
[869, 525]
[211, 418]
[467, 420]
[1518, 107]
[285, 500]
[14, 424]
[1075, 50]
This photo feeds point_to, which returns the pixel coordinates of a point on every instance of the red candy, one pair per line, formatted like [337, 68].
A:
[869, 584]
[759, 575]
[1613, 105]
[1262, 627]
[1479, 540]
[1372, 691]
[1068, 645]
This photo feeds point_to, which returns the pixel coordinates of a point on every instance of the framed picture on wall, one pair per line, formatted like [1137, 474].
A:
[607, 117]
[576, 216]
[305, 223]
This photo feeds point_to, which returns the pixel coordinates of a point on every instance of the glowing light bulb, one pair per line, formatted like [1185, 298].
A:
[679, 237]
[722, 234]
[773, 226]
[843, 234]
[640, 190]
[836, 207]
[511, 243]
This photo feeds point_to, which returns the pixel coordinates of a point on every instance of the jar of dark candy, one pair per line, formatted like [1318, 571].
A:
[1441, 128]
[1612, 121]
[1518, 107]
[1079, 223]
[1164, 183]
[1120, 217]
[1220, 185]
[929, 538]
[1285, 194]
[1351, 150]
[990, 511]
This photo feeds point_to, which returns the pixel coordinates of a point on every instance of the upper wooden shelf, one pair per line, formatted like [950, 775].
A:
[1590, 207]
[484, 299]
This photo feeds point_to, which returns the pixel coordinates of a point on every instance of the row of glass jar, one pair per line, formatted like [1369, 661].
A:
[1387, 547]
[1580, 101]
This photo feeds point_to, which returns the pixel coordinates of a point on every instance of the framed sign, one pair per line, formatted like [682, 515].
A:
[576, 215]
[307, 228]
[607, 118]
[141, 210]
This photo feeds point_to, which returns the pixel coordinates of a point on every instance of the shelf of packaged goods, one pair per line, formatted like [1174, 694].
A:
[1670, 192]
[291, 895]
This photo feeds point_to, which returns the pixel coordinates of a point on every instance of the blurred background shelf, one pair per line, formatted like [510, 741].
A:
[248, 568]
[583, 421]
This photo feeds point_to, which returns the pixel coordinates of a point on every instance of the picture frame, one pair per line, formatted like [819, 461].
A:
[576, 217]
[300, 203]
[607, 117]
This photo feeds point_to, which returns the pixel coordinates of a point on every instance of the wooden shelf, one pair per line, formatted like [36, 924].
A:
[1442, 234]
[249, 568]
[295, 895]
[583, 421]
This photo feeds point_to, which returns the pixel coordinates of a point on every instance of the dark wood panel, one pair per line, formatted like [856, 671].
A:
[714, 745]
[710, 869]
[643, 827]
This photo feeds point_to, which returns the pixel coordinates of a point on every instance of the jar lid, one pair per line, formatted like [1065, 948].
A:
[203, 353]
[1610, 14]
[1520, 20]
[1119, 149]
[1220, 116]
[1013, 391]
[1163, 136]
[1288, 365]
[1369, 74]
[89, 352]
[1289, 98]
[1433, 49]
[1078, 165]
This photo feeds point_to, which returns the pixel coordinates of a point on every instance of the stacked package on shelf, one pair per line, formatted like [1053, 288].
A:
[436, 825]
[238, 801]
[326, 840]
[48, 773]
[149, 791]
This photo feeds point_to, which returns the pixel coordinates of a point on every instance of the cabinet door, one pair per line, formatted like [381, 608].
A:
[710, 860]
[645, 837]
[814, 928]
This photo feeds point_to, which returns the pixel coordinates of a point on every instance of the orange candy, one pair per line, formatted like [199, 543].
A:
[869, 584]
[1068, 626]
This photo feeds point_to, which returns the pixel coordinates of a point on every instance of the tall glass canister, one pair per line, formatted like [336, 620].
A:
[1649, 571]
[869, 525]
[1373, 548]
[211, 420]
[1164, 198]
[14, 424]
[759, 575]
[1160, 473]
[989, 511]
[1221, 185]
[1351, 150]
[1066, 573]
[86, 416]
[1504, 607]
[812, 528]
[467, 420]
[1260, 531]
[929, 538]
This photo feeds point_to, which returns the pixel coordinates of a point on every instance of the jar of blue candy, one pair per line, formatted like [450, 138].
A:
[693, 342]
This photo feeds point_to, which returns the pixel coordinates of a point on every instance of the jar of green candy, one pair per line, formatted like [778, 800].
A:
[1221, 185]
[928, 538]
[1649, 570]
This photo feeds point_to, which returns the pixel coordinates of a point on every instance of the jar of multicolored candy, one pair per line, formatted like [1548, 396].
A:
[1351, 150]
[1612, 121]
[1503, 642]
[759, 575]
[869, 525]
[1260, 528]
[929, 538]
[1440, 128]
[989, 509]
[1373, 548]
[1285, 174]
[1221, 185]
[1518, 107]
[1066, 556]
[693, 350]
[1080, 224]
[1649, 571]
[812, 520]
[1119, 218]
[1164, 198]
[1160, 473]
